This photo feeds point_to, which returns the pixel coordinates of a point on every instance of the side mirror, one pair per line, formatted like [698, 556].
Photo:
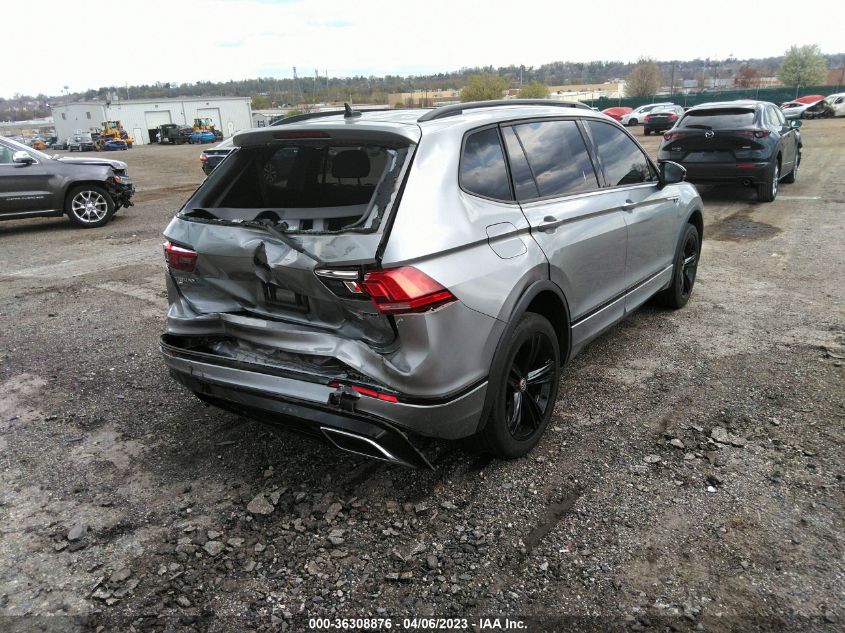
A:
[795, 123]
[671, 172]
[22, 158]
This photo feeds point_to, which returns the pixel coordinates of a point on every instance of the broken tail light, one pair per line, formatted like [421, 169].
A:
[366, 391]
[180, 258]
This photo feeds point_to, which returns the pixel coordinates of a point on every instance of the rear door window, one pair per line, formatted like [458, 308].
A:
[721, 119]
[558, 157]
[623, 161]
[483, 169]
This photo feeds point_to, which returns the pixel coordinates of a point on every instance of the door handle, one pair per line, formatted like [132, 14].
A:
[674, 198]
[549, 222]
[629, 205]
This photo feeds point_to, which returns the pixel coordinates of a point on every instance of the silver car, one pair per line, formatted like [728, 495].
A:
[374, 277]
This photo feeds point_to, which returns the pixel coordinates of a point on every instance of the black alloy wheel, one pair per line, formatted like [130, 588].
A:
[523, 393]
[529, 386]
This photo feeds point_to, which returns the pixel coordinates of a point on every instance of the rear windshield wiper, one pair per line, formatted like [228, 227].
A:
[278, 231]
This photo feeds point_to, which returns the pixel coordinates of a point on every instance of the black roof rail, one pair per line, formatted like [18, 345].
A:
[458, 108]
[296, 118]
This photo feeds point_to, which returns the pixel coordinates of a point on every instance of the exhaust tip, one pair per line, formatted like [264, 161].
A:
[360, 445]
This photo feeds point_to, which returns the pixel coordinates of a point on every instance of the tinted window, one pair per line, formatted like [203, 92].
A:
[558, 157]
[483, 170]
[723, 119]
[623, 161]
[523, 179]
[5, 155]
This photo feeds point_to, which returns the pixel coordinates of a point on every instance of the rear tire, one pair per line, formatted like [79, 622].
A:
[683, 272]
[646, 132]
[524, 396]
[767, 190]
[89, 206]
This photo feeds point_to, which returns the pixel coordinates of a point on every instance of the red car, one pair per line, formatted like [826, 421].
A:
[616, 112]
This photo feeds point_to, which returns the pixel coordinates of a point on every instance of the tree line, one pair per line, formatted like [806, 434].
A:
[268, 92]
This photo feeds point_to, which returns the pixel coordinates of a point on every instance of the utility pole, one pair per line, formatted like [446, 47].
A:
[672, 81]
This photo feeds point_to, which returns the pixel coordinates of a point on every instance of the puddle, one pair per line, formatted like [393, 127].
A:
[740, 227]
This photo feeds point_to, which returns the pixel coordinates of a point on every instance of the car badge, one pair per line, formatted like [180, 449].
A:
[709, 134]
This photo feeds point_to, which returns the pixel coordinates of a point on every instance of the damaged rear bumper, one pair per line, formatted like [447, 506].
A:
[308, 403]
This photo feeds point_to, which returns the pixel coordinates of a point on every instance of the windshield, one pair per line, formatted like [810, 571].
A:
[715, 119]
[307, 186]
[20, 147]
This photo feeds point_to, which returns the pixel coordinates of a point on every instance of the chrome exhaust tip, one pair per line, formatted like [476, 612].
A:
[372, 448]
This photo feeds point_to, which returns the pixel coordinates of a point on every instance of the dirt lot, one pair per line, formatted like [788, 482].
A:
[692, 478]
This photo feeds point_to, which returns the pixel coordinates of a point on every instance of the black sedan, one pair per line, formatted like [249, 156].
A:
[742, 142]
[662, 118]
[210, 158]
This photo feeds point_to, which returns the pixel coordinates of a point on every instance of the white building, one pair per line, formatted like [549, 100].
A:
[141, 117]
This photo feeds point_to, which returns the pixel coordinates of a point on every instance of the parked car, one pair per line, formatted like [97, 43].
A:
[59, 144]
[88, 190]
[202, 136]
[376, 276]
[662, 118]
[114, 145]
[637, 116]
[210, 158]
[80, 143]
[616, 112]
[801, 108]
[743, 142]
[836, 103]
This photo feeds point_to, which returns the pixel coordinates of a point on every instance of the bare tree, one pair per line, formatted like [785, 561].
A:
[644, 80]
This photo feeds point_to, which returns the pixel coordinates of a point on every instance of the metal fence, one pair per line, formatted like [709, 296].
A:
[774, 95]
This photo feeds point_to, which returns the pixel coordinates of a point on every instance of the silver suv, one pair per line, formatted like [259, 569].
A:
[373, 277]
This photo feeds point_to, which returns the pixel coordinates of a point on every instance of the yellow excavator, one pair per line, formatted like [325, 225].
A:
[112, 130]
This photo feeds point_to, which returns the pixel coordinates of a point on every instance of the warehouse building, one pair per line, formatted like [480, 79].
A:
[141, 117]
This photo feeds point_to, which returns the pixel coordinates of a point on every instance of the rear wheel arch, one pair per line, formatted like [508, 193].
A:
[545, 298]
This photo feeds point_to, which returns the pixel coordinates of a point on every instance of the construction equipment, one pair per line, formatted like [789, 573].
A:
[206, 124]
[112, 130]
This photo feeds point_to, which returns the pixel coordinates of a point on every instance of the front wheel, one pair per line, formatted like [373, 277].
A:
[683, 272]
[632, 121]
[526, 392]
[89, 206]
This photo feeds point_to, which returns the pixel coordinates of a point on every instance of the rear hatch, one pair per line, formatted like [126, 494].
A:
[666, 117]
[714, 135]
[283, 230]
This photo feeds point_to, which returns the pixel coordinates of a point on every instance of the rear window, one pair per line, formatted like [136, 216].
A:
[727, 118]
[308, 186]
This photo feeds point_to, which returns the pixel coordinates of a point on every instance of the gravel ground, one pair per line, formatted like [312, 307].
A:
[691, 479]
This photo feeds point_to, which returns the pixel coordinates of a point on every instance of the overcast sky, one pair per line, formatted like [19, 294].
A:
[91, 43]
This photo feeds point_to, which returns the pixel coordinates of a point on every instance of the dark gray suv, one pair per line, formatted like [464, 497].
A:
[33, 184]
[373, 277]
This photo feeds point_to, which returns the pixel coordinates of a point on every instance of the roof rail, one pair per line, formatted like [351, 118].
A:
[296, 118]
[458, 108]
